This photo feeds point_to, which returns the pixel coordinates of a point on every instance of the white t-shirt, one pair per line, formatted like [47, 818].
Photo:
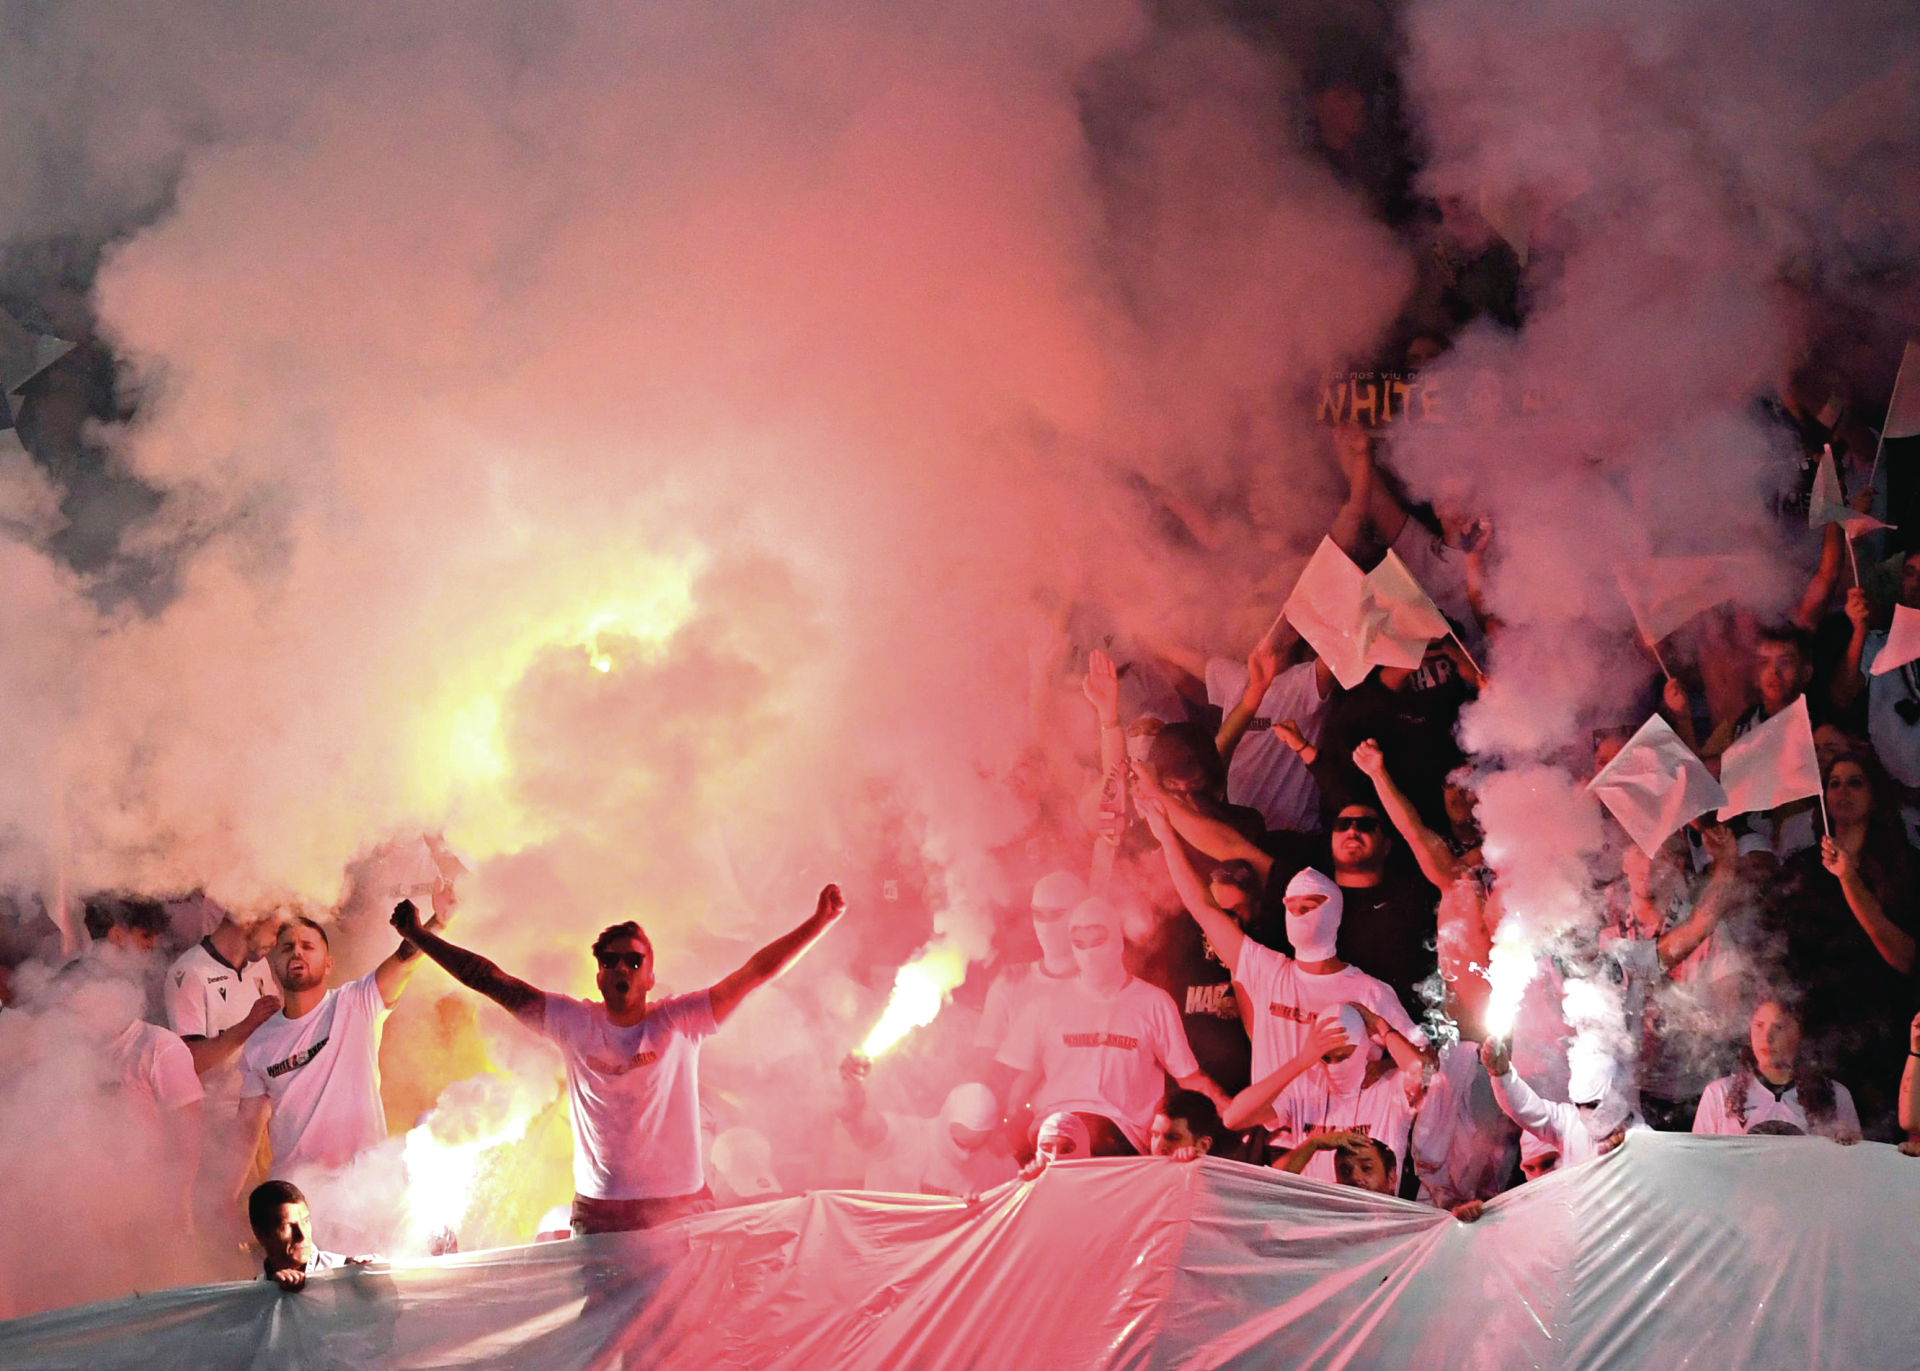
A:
[1463, 1147]
[1895, 741]
[1100, 1055]
[1287, 1000]
[153, 1067]
[205, 997]
[321, 1075]
[1380, 1110]
[919, 1157]
[634, 1095]
[1265, 773]
[1715, 1114]
[1012, 988]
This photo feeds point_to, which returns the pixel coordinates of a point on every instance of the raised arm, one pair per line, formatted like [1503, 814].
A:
[1263, 664]
[1514, 1096]
[1847, 680]
[1678, 943]
[863, 1122]
[1223, 932]
[1215, 837]
[1437, 863]
[1255, 1103]
[392, 975]
[210, 1052]
[1894, 944]
[469, 968]
[776, 956]
[1813, 602]
[1910, 1092]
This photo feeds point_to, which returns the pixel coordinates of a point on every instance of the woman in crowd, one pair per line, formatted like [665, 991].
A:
[1776, 1083]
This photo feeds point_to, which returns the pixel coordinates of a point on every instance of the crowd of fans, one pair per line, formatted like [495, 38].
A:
[1261, 934]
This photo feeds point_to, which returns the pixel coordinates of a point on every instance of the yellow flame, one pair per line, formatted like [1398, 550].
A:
[919, 989]
[1510, 966]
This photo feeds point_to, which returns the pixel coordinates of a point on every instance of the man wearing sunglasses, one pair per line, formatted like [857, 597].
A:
[632, 1067]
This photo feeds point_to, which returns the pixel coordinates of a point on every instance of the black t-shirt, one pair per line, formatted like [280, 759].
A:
[1178, 958]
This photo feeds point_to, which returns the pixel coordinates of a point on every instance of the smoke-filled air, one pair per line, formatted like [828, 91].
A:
[580, 462]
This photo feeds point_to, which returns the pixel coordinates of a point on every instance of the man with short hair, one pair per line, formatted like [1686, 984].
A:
[632, 1067]
[283, 1225]
[1185, 1126]
[1359, 1160]
[310, 1075]
[218, 992]
[127, 924]
[1783, 667]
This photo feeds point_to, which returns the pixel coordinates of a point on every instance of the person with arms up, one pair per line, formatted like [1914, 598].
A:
[310, 1075]
[1598, 1120]
[633, 1068]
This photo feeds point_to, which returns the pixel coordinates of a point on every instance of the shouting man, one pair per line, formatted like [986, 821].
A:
[632, 1068]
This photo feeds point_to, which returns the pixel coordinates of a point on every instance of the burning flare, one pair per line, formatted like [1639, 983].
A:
[919, 990]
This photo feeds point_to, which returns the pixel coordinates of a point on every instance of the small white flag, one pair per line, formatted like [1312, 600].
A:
[1828, 503]
[1860, 525]
[1403, 618]
[1328, 606]
[1656, 786]
[1903, 642]
[1771, 764]
[1665, 592]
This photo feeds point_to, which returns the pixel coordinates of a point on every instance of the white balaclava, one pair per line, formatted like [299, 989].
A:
[1099, 945]
[1593, 1078]
[1315, 934]
[1346, 1077]
[1057, 890]
[970, 1105]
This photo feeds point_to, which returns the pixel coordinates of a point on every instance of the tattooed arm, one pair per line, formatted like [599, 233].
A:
[471, 969]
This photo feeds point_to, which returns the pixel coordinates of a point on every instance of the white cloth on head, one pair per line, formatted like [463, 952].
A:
[1562, 1125]
[1056, 890]
[1315, 935]
[1264, 772]
[634, 1095]
[1066, 1134]
[1349, 1074]
[1284, 1002]
[321, 1075]
[1099, 944]
[1101, 1054]
[919, 1157]
[972, 1106]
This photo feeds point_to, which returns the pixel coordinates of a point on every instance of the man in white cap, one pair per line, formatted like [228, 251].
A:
[953, 1153]
[1283, 995]
[1055, 896]
[1369, 1081]
[1601, 1113]
[1101, 1044]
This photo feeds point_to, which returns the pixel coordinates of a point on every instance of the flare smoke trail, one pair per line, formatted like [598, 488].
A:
[642, 443]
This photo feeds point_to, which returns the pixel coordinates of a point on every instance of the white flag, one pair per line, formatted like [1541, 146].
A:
[1772, 764]
[1828, 503]
[1903, 642]
[1665, 592]
[1903, 410]
[1656, 786]
[1860, 525]
[1329, 607]
[1402, 618]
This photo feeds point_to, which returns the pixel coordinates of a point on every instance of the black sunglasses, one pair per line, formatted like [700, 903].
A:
[632, 961]
[1359, 823]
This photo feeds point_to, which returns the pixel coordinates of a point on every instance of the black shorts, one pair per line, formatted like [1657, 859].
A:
[592, 1215]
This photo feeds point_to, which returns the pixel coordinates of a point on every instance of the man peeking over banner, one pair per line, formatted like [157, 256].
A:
[632, 1068]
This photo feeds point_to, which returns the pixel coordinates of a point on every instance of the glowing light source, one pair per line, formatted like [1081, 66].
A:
[919, 989]
[1510, 966]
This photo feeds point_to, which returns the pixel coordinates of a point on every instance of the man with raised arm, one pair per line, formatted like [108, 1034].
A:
[311, 1073]
[633, 1078]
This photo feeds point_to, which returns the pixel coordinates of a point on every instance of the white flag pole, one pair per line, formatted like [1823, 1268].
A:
[1464, 653]
[1852, 556]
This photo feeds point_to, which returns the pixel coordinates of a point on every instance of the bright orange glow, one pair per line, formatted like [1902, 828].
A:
[919, 990]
